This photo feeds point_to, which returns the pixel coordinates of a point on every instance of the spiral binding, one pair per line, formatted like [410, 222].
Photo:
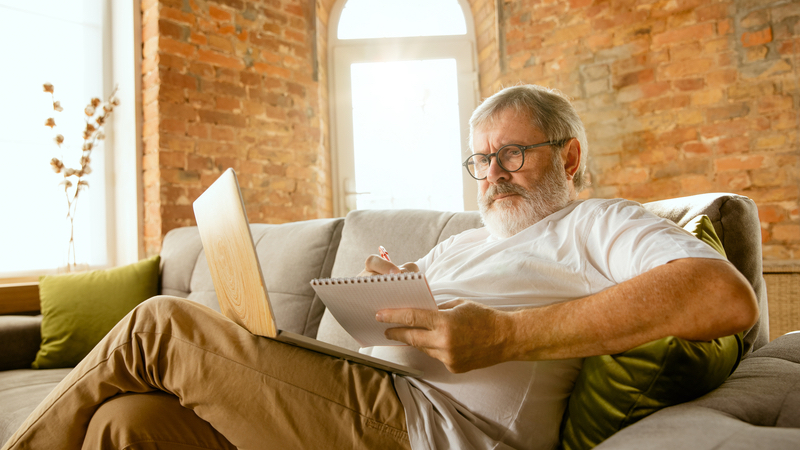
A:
[368, 279]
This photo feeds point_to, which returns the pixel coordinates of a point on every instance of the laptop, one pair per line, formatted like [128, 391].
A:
[238, 281]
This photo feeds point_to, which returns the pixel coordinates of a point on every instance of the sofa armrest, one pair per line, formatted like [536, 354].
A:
[20, 337]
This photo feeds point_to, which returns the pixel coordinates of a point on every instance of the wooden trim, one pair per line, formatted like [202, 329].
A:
[19, 298]
[17, 280]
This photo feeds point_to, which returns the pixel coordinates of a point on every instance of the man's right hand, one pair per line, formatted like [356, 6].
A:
[375, 265]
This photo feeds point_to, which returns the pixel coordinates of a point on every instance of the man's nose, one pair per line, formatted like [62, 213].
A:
[496, 172]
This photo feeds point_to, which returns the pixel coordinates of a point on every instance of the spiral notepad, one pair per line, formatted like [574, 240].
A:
[354, 302]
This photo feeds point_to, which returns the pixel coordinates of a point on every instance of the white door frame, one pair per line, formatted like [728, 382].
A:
[343, 53]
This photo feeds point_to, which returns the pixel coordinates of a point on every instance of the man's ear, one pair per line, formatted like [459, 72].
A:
[571, 155]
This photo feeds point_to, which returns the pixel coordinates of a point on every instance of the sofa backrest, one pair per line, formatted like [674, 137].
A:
[294, 253]
[290, 256]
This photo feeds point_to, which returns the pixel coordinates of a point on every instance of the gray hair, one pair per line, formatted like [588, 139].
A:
[548, 109]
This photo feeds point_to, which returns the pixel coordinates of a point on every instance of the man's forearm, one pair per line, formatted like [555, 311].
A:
[695, 299]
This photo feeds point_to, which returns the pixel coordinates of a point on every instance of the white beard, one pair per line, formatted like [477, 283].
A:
[505, 220]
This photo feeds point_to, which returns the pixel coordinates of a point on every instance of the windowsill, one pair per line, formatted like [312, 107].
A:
[19, 297]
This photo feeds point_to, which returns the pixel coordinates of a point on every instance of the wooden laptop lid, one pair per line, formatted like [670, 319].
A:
[231, 255]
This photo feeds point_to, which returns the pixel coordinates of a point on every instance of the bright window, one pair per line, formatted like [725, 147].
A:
[63, 43]
[362, 19]
[403, 89]
[424, 98]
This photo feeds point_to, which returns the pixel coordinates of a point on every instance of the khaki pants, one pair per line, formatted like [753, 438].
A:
[174, 374]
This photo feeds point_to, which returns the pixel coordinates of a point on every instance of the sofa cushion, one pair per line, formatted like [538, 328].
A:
[79, 309]
[290, 255]
[757, 407]
[20, 337]
[20, 392]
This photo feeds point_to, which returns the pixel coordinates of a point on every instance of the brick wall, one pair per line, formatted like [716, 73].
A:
[232, 83]
[679, 97]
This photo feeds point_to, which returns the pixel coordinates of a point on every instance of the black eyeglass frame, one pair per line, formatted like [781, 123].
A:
[522, 148]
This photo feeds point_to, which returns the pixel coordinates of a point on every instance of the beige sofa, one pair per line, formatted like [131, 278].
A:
[759, 406]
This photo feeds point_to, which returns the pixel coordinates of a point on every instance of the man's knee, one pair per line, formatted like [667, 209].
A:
[149, 421]
[163, 306]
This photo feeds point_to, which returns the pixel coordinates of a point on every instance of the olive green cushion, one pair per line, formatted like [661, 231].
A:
[79, 309]
[614, 391]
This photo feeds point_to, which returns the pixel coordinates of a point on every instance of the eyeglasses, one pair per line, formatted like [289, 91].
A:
[510, 157]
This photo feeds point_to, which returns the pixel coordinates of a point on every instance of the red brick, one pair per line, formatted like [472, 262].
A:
[775, 103]
[717, 11]
[677, 136]
[687, 68]
[722, 77]
[219, 59]
[655, 89]
[789, 47]
[222, 118]
[696, 148]
[199, 130]
[735, 127]
[696, 184]
[738, 144]
[174, 126]
[174, 47]
[227, 29]
[228, 104]
[197, 38]
[727, 112]
[786, 232]
[771, 213]
[691, 84]
[219, 14]
[176, 15]
[223, 134]
[172, 159]
[179, 80]
[172, 30]
[750, 39]
[748, 162]
[732, 181]
[272, 70]
[690, 33]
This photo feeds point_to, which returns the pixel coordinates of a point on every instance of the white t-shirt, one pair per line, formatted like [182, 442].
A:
[581, 250]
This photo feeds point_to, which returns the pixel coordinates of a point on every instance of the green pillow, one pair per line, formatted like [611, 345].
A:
[79, 309]
[614, 391]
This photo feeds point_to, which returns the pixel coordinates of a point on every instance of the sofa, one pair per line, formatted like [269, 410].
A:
[757, 407]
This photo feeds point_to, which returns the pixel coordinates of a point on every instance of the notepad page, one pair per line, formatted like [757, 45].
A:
[355, 301]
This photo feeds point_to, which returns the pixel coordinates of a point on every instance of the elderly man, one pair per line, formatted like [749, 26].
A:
[549, 280]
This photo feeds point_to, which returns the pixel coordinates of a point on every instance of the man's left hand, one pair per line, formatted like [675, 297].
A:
[463, 335]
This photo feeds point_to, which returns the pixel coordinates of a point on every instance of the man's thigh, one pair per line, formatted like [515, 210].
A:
[261, 393]
[154, 420]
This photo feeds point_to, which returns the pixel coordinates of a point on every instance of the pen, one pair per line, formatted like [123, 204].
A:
[384, 254]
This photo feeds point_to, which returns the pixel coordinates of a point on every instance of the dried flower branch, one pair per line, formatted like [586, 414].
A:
[92, 133]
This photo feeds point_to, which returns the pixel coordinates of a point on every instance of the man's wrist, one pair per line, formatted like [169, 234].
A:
[513, 342]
